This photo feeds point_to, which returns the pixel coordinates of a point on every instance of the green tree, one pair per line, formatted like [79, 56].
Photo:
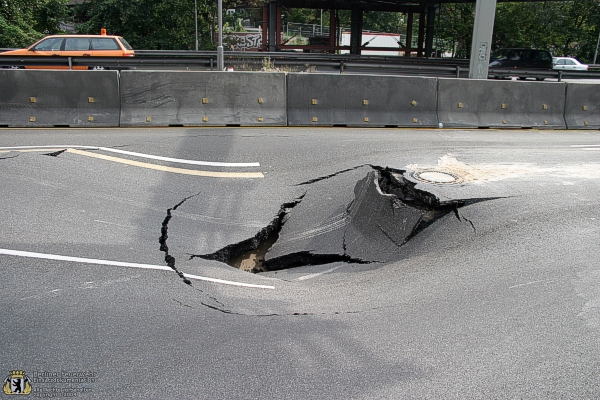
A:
[378, 21]
[566, 28]
[152, 24]
[22, 22]
[456, 29]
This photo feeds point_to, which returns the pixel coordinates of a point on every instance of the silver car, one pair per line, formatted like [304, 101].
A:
[569, 64]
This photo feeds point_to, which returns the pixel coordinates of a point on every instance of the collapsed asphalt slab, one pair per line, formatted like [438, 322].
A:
[360, 215]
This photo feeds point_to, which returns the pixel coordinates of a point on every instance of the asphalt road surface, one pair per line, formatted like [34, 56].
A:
[425, 264]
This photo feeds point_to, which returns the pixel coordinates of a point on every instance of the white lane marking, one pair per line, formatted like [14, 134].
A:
[164, 168]
[112, 223]
[131, 153]
[524, 284]
[250, 285]
[45, 256]
[305, 277]
[585, 145]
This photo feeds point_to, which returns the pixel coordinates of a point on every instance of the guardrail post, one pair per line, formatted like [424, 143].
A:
[211, 64]
[70, 63]
[559, 76]
[341, 67]
[458, 71]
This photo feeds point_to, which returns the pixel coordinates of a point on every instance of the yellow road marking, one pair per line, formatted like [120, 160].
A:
[211, 174]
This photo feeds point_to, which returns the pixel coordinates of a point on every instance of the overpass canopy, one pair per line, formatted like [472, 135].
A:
[425, 10]
[379, 5]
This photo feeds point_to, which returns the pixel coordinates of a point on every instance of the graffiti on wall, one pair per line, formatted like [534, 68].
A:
[242, 41]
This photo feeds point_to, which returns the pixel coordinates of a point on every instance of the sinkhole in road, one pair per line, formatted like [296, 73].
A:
[361, 215]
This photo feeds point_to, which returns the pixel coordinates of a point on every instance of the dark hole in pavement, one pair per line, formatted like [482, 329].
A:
[249, 254]
[56, 153]
[373, 223]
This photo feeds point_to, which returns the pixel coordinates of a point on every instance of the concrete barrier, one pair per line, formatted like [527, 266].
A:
[361, 100]
[582, 108]
[471, 103]
[190, 98]
[59, 98]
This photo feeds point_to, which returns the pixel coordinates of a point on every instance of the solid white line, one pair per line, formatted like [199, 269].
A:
[142, 155]
[250, 285]
[45, 256]
[585, 145]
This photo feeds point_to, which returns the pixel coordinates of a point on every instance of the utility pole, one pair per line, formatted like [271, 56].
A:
[220, 61]
[196, 21]
[596, 52]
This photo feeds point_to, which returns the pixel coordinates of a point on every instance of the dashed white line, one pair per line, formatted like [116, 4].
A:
[46, 256]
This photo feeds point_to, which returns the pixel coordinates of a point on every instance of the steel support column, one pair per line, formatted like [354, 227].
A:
[409, 29]
[265, 28]
[272, 25]
[332, 29]
[421, 33]
[356, 18]
[485, 12]
[278, 35]
[430, 31]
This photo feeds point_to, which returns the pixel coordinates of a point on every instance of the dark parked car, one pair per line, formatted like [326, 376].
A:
[512, 62]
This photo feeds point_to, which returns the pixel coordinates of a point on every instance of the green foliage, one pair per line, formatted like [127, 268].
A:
[152, 24]
[22, 22]
[456, 29]
[384, 22]
[563, 27]
[306, 16]
[566, 28]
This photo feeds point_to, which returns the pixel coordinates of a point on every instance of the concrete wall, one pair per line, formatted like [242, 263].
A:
[361, 100]
[473, 103]
[582, 108]
[59, 98]
[185, 98]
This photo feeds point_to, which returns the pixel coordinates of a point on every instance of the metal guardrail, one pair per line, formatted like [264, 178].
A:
[286, 61]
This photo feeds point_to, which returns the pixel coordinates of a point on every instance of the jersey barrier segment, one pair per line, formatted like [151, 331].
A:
[361, 100]
[59, 98]
[582, 108]
[470, 103]
[159, 98]
[44, 98]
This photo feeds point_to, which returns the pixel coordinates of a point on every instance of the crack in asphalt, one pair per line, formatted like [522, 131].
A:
[322, 178]
[224, 310]
[169, 259]
[228, 252]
